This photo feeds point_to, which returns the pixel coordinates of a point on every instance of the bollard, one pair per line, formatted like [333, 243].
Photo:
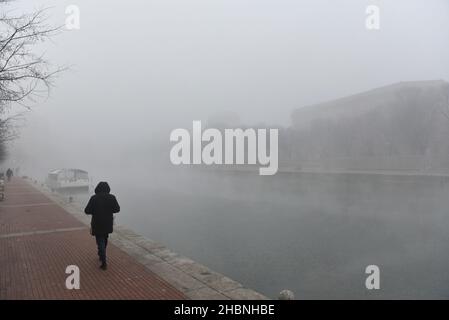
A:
[70, 199]
[286, 295]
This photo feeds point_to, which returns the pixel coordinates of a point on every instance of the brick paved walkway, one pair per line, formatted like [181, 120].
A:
[39, 239]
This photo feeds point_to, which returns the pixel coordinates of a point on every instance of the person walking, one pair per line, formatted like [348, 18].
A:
[102, 207]
[9, 174]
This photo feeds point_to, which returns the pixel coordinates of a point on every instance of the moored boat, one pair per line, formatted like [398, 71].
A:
[68, 179]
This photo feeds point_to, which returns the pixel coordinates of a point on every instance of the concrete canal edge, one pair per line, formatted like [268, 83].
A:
[195, 280]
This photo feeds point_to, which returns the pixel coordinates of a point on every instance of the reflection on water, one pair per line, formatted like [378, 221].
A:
[76, 195]
[310, 233]
[74, 192]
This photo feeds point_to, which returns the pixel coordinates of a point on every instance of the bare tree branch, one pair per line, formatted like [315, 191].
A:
[24, 76]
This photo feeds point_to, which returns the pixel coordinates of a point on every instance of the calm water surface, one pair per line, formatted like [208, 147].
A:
[310, 233]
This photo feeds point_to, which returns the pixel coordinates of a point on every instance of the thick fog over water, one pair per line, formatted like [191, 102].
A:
[139, 69]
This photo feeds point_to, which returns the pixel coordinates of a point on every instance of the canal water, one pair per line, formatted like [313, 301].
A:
[311, 233]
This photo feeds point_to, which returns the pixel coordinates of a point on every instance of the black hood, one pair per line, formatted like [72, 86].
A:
[102, 187]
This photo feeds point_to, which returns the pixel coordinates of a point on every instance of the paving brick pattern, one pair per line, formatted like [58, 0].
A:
[39, 239]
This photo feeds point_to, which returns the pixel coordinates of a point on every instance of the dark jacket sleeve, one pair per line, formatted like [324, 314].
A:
[89, 207]
[115, 205]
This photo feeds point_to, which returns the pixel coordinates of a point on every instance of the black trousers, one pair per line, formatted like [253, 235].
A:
[102, 243]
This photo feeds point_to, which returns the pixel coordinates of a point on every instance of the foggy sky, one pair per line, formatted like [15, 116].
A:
[142, 68]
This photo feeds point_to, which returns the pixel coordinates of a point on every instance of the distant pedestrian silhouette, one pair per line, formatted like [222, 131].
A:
[9, 174]
[102, 206]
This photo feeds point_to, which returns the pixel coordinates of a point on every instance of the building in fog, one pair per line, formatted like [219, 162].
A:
[404, 126]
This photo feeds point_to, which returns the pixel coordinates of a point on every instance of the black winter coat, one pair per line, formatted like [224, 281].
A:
[102, 206]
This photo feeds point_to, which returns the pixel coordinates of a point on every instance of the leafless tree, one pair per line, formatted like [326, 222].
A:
[24, 75]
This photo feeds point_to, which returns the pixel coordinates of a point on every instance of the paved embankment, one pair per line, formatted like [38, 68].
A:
[41, 234]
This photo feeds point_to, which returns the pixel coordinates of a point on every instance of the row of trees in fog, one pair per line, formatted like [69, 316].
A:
[25, 76]
[404, 126]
